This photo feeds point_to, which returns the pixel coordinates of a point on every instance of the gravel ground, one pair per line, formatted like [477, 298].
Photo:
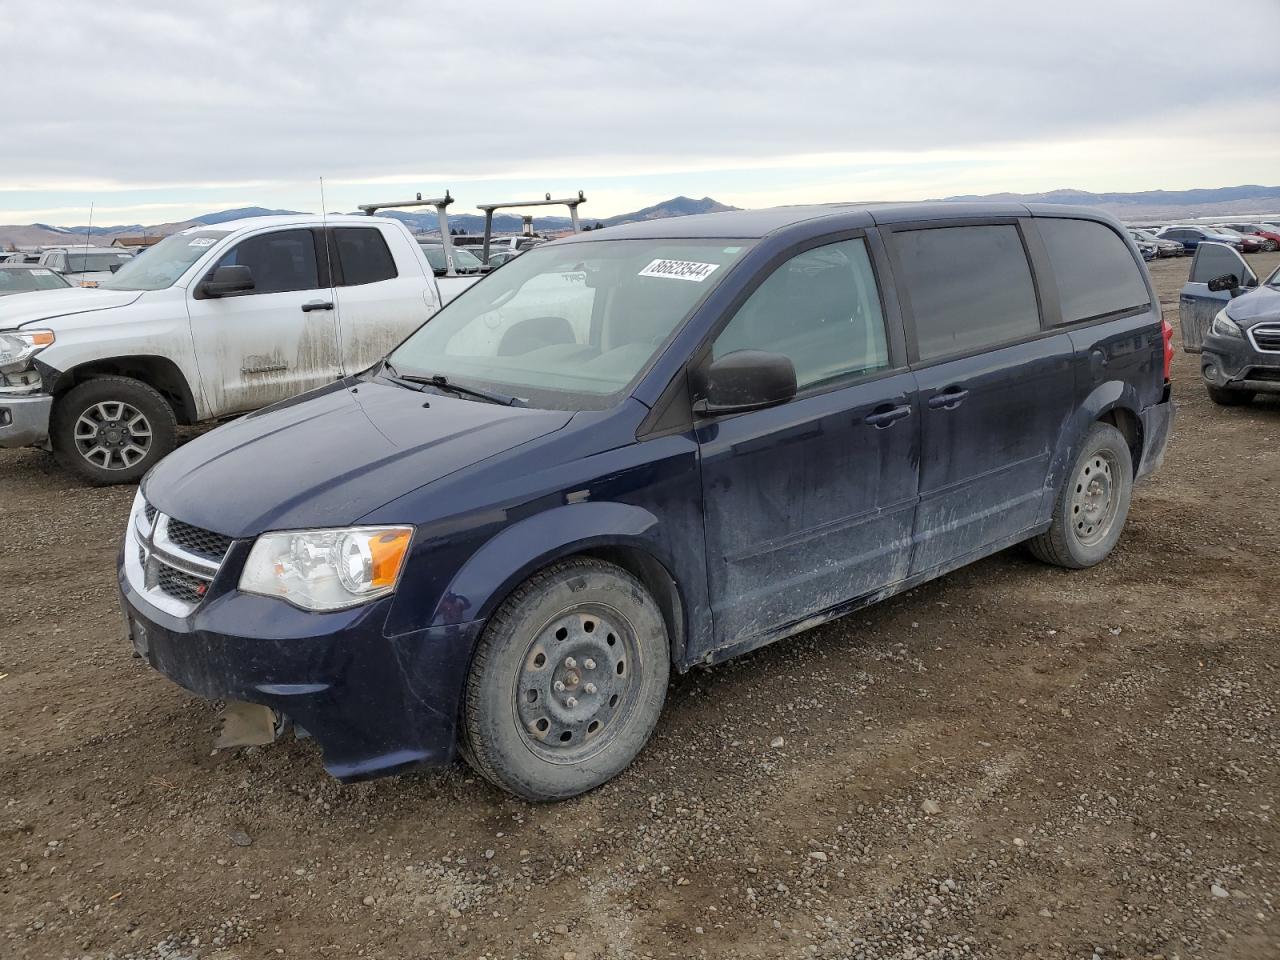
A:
[1013, 761]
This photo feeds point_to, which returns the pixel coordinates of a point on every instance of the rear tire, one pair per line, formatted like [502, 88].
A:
[112, 430]
[1229, 398]
[1092, 505]
[567, 681]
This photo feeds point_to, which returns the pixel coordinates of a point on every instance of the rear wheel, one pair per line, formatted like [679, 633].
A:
[567, 682]
[112, 430]
[1092, 505]
[1229, 398]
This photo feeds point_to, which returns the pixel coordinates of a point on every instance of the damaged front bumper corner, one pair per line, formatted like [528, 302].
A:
[24, 419]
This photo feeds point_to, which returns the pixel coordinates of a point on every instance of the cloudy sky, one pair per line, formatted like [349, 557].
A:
[157, 112]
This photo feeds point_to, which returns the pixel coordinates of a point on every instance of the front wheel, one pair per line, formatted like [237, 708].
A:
[1092, 505]
[567, 681]
[112, 430]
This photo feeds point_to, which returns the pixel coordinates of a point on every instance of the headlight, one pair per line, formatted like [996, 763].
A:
[17, 347]
[1224, 326]
[327, 569]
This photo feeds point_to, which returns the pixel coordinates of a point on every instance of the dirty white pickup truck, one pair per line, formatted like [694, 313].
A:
[209, 323]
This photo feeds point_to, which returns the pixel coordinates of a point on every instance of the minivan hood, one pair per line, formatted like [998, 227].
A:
[1261, 303]
[329, 457]
[43, 305]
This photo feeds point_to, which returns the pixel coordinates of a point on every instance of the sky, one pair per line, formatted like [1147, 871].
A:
[155, 112]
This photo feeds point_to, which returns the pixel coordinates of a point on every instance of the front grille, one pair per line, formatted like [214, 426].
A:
[150, 513]
[180, 585]
[203, 543]
[1266, 337]
[1270, 374]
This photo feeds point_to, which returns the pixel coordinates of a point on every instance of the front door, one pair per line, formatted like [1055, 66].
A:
[1197, 304]
[275, 341]
[994, 393]
[810, 503]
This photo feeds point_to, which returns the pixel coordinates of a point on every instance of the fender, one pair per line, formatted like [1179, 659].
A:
[514, 554]
[1110, 397]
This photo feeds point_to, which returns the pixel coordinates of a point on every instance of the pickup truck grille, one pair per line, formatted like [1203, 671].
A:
[172, 563]
[1266, 337]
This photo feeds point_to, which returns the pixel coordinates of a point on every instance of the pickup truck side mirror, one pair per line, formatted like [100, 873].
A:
[745, 380]
[1228, 281]
[227, 280]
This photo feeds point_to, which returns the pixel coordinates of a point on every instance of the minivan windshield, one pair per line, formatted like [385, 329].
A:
[569, 326]
[165, 262]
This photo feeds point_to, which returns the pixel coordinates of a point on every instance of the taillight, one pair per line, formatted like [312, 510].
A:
[1167, 329]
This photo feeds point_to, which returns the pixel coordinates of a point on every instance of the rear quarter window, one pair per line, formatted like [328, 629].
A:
[1095, 272]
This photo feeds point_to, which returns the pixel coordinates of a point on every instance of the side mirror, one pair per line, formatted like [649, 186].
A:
[1228, 281]
[746, 380]
[226, 281]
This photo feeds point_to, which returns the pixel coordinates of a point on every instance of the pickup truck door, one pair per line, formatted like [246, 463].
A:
[1197, 304]
[382, 292]
[275, 341]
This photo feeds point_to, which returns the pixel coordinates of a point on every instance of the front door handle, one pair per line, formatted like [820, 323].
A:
[317, 305]
[887, 416]
[948, 399]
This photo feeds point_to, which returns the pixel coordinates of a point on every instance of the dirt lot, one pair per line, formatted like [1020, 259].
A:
[1013, 761]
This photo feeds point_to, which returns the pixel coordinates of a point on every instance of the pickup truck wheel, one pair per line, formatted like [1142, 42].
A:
[567, 681]
[1229, 398]
[1092, 505]
[112, 430]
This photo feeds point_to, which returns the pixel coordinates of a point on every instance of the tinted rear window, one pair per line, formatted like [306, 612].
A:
[970, 287]
[1095, 271]
[364, 255]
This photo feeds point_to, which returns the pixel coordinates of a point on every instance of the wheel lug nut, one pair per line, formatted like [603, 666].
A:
[571, 702]
[559, 686]
[589, 663]
[570, 662]
[590, 688]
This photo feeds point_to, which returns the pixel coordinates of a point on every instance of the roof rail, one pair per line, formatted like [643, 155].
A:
[488, 208]
[441, 204]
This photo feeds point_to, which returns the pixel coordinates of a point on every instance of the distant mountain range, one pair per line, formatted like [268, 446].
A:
[1148, 205]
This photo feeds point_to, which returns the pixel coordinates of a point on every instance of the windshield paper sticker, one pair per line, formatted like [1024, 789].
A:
[679, 270]
[41, 272]
[202, 242]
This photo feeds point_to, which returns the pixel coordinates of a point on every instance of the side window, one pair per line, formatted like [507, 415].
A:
[363, 254]
[970, 287]
[821, 309]
[280, 261]
[1095, 271]
[1217, 260]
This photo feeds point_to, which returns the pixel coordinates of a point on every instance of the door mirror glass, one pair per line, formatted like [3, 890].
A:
[746, 380]
[228, 280]
[1228, 281]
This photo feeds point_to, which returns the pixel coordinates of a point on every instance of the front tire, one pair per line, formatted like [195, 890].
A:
[112, 430]
[1092, 505]
[1229, 398]
[567, 681]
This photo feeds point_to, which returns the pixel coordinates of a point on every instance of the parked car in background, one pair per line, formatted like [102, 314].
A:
[1269, 234]
[509, 533]
[464, 261]
[26, 277]
[1237, 322]
[85, 266]
[1164, 248]
[1148, 249]
[1249, 243]
[20, 257]
[214, 321]
[1191, 236]
[498, 257]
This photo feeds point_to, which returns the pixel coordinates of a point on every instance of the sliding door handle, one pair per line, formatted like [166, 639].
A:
[948, 399]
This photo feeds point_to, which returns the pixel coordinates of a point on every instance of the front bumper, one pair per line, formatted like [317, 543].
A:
[375, 704]
[1157, 426]
[24, 419]
[1232, 363]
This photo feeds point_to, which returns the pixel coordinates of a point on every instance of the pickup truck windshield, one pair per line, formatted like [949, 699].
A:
[164, 263]
[25, 279]
[569, 326]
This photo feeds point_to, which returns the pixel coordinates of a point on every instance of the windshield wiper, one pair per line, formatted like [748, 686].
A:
[441, 382]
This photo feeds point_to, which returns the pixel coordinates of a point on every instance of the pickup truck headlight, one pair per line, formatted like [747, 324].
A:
[17, 347]
[1224, 326]
[327, 569]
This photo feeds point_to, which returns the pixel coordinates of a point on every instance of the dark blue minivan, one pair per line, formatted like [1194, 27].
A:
[646, 448]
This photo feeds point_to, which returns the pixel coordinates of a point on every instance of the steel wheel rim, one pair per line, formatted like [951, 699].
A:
[578, 683]
[113, 435]
[1095, 499]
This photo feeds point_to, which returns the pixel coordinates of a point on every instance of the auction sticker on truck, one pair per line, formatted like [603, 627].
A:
[679, 270]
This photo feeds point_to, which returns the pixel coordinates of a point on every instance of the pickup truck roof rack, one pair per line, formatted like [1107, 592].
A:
[488, 208]
[441, 204]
